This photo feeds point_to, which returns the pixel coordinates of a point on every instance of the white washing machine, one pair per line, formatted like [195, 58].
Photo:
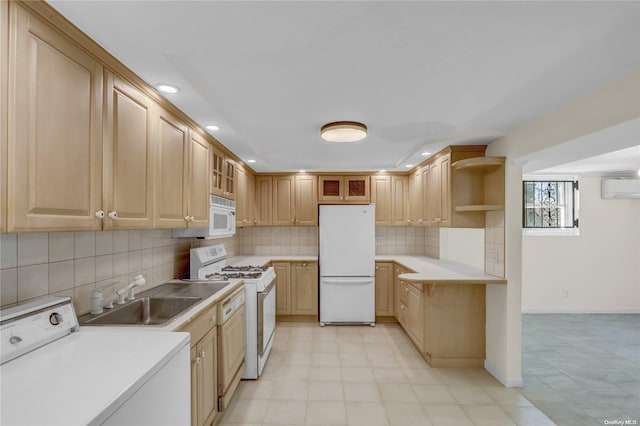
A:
[55, 373]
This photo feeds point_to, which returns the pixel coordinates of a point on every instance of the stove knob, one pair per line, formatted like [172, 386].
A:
[15, 339]
[55, 318]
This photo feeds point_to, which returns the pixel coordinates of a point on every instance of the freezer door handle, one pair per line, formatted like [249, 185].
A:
[363, 280]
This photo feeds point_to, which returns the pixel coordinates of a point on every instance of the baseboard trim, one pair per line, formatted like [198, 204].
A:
[510, 382]
[581, 310]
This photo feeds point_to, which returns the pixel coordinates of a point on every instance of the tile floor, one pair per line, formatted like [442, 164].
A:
[364, 376]
[582, 369]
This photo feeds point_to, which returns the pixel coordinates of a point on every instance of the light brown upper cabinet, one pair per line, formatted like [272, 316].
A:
[295, 200]
[181, 184]
[55, 109]
[198, 183]
[459, 184]
[415, 198]
[399, 200]
[229, 185]
[128, 156]
[264, 201]
[344, 189]
[170, 198]
[4, 63]
[223, 175]
[381, 197]
[245, 198]
[217, 172]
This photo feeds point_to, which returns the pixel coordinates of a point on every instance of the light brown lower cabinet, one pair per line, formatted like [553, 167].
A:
[446, 322]
[204, 366]
[384, 289]
[231, 349]
[296, 289]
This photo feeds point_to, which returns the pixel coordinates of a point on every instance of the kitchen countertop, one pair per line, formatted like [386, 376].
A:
[426, 269]
[432, 270]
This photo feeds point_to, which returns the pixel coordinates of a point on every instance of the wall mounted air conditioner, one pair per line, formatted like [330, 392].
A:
[621, 188]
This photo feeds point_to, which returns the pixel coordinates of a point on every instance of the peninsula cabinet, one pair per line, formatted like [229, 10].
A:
[384, 289]
[128, 156]
[446, 322]
[204, 366]
[344, 189]
[296, 290]
[54, 109]
[295, 200]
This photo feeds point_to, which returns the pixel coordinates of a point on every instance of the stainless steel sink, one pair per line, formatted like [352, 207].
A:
[147, 311]
[157, 305]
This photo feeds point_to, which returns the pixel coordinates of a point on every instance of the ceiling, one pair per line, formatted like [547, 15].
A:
[624, 162]
[421, 75]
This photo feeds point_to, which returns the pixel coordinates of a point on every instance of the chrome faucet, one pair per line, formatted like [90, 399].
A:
[98, 303]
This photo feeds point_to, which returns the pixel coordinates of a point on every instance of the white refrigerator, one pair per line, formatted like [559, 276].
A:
[347, 264]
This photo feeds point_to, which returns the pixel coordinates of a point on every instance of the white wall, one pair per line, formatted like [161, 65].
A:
[464, 245]
[611, 105]
[599, 269]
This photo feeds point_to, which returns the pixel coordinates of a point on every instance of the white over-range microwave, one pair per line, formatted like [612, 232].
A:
[222, 220]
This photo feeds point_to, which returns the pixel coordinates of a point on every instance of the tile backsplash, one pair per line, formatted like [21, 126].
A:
[303, 240]
[298, 240]
[73, 264]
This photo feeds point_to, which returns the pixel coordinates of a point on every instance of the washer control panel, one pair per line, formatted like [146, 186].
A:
[30, 326]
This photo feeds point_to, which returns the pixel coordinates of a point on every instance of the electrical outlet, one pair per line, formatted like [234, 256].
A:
[379, 241]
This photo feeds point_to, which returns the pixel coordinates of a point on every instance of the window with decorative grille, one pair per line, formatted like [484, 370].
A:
[549, 204]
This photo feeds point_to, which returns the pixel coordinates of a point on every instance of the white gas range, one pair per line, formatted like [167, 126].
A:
[209, 263]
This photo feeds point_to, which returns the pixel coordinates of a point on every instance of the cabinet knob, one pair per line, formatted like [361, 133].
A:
[377, 268]
[255, 221]
[346, 198]
[202, 354]
[100, 214]
[186, 218]
[304, 264]
[113, 215]
[297, 220]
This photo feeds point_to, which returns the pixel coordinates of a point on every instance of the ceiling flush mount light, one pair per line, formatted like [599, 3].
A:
[213, 128]
[343, 131]
[167, 88]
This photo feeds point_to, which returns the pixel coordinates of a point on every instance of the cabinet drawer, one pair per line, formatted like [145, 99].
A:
[200, 325]
[404, 292]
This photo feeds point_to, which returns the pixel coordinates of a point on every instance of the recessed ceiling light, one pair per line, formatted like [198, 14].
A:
[251, 161]
[302, 171]
[408, 166]
[167, 88]
[425, 153]
[638, 172]
[383, 171]
[213, 127]
[343, 131]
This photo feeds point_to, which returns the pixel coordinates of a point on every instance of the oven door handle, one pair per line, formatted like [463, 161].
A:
[261, 296]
